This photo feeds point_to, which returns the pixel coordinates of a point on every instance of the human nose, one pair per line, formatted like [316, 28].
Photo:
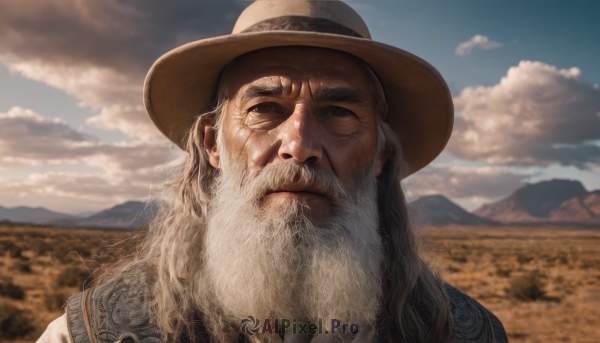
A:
[300, 139]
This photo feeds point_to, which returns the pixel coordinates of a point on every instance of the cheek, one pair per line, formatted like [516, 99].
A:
[234, 138]
[350, 156]
[342, 126]
[245, 145]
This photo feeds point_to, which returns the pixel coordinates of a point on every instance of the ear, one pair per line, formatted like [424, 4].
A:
[210, 144]
[382, 158]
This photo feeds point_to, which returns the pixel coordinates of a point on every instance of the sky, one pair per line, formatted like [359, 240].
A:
[74, 136]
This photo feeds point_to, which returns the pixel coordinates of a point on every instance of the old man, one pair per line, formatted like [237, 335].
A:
[286, 221]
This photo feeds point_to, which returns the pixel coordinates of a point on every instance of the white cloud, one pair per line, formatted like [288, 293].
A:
[82, 186]
[99, 52]
[477, 41]
[28, 139]
[484, 183]
[128, 169]
[116, 94]
[94, 86]
[132, 120]
[537, 115]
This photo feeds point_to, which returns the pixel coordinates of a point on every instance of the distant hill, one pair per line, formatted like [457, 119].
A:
[438, 210]
[547, 202]
[84, 214]
[580, 209]
[539, 202]
[35, 215]
[127, 215]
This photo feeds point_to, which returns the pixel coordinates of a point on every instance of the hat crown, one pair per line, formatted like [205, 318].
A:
[332, 10]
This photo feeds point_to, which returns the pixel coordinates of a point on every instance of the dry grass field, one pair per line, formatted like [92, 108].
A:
[40, 267]
[544, 284]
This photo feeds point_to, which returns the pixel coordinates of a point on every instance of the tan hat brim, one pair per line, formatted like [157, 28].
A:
[180, 86]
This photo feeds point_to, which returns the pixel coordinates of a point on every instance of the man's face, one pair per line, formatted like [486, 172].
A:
[299, 105]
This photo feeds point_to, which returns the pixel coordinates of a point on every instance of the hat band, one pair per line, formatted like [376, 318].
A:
[300, 23]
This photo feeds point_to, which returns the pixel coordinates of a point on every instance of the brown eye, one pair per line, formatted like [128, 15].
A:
[337, 112]
[264, 108]
[339, 120]
[264, 116]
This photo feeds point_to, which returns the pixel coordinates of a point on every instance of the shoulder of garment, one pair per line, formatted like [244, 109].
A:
[473, 322]
[118, 310]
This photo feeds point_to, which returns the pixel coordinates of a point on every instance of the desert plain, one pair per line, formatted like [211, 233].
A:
[542, 282]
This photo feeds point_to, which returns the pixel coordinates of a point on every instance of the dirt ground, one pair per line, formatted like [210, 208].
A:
[543, 283]
[41, 267]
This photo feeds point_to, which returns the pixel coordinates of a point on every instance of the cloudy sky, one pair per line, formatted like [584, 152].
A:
[74, 136]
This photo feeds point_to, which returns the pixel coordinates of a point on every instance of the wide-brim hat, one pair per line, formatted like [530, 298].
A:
[181, 84]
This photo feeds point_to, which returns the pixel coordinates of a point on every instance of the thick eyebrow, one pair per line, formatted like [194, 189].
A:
[340, 94]
[335, 94]
[255, 91]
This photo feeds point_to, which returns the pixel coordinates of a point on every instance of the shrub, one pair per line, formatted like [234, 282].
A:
[61, 251]
[562, 259]
[522, 259]
[14, 322]
[528, 287]
[68, 251]
[503, 272]
[587, 264]
[54, 301]
[453, 270]
[460, 259]
[13, 250]
[73, 276]
[21, 266]
[40, 246]
[9, 289]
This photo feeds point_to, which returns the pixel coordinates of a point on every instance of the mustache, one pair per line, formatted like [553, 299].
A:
[294, 177]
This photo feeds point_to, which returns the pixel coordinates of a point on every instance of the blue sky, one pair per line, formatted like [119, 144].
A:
[560, 33]
[84, 64]
[564, 34]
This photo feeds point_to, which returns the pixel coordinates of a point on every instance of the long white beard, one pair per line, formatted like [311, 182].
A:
[283, 266]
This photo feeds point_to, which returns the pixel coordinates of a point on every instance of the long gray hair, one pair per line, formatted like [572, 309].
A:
[414, 306]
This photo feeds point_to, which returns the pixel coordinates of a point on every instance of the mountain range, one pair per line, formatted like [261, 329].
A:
[129, 215]
[548, 202]
[23, 214]
[564, 202]
[438, 210]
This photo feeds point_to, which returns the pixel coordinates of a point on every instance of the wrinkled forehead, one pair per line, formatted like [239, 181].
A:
[317, 65]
